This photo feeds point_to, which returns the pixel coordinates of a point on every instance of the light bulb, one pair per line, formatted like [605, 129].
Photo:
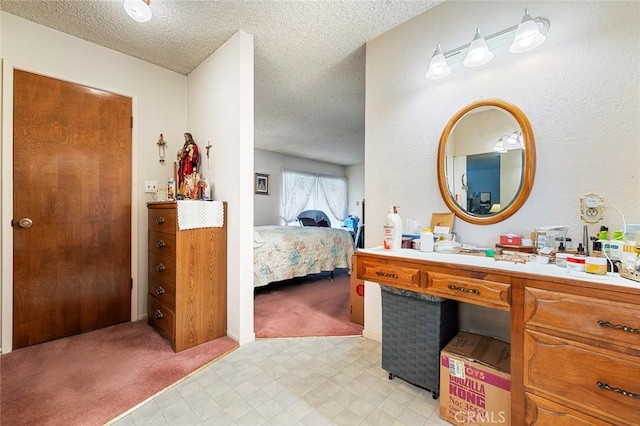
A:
[478, 53]
[528, 35]
[438, 67]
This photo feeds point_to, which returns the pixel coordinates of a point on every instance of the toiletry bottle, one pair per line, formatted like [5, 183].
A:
[426, 240]
[392, 226]
[629, 256]
[171, 189]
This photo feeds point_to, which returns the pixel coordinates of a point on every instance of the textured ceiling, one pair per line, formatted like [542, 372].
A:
[309, 56]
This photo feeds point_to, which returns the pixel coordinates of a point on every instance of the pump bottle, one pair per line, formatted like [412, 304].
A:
[392, 230]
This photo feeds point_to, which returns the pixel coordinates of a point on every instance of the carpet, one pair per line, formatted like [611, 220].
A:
[302, 307]
[91, 378]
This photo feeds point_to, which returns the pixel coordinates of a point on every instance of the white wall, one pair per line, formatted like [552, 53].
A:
[159, 106]
[580, 91]
[267, 207]
[355, 176]
[220, 110]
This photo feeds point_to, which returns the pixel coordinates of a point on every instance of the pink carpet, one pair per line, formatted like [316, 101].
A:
[308, 306]
[92, 378]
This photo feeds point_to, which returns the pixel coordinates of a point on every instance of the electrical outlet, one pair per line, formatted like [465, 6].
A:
[151, 186]
[592, 208]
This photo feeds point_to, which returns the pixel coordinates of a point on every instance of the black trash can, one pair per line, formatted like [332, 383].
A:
[415, 327]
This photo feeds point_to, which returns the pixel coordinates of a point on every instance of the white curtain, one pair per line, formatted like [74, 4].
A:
[334, 190]
[296, 190]
[305, 191]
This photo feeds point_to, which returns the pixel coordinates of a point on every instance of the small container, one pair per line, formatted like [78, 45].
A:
[445, 246]
[426, 240]
[576, 263]
[629, 256]
[595, 265]
[561, 259]
[542, 260]
[416, 244]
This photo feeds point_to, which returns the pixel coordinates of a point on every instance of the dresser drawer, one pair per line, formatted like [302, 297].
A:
[162, 319]
[164, 292]
[471, 290]
[577, 375]
[395, 275]
[163, 220]
[610, 322]
[542, 412]
[162, 242]
[162, 268]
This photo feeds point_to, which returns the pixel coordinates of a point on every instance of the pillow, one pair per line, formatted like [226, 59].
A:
[257, 239]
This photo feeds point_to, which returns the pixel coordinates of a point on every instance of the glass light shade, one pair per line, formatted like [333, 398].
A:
[138, 10]
[478, 53]
[528, 35]
[438, 67]
[513, 138]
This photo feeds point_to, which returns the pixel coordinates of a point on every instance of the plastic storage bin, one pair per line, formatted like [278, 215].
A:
[415, 327]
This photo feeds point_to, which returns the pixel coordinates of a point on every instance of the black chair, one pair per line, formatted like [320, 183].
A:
[314, 218]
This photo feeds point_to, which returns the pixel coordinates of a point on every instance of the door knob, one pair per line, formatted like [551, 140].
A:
[25, 222]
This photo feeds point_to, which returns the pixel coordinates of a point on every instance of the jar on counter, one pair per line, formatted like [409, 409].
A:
[595, 265]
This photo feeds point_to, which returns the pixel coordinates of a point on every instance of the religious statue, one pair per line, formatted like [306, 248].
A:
[188, 162]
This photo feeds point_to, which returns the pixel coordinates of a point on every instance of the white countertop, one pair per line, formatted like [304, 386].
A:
[547, 270]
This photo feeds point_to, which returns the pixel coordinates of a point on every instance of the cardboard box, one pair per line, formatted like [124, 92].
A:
[356, 296]
[475, 384]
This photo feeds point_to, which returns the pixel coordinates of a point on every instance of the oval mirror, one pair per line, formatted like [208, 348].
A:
[486, 161]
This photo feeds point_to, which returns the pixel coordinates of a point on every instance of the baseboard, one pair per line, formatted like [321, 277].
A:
[373, 336]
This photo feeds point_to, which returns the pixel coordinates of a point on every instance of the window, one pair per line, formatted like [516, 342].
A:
[305, 191]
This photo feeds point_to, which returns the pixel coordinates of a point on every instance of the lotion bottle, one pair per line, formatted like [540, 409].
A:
[426, 240]
[392, 227]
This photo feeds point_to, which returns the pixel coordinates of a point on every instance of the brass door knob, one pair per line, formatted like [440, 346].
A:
[25, 222]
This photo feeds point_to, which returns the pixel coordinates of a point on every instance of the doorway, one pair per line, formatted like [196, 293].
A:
[71, 209]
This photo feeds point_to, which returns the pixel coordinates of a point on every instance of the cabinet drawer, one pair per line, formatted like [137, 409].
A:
[542, 412]
[162, 319]
[163, 292]
[601, 382]
[162, 242]
[471, 290]
[395, 275]
[610, 322]
[163, 220]
[162, 268]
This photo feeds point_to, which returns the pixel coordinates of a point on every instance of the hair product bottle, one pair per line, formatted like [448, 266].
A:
[392, 228]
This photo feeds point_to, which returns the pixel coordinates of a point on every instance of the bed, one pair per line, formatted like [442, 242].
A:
[284, 252]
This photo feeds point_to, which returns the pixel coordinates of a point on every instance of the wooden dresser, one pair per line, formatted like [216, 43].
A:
[187, 299]
[575, 340]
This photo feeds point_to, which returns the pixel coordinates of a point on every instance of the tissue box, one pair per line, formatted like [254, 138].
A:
[510, 239]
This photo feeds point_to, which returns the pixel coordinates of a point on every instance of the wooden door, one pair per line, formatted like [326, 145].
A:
[72, 180]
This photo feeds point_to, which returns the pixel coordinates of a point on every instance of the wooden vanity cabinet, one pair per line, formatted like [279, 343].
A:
[575, 345]
[187, 286]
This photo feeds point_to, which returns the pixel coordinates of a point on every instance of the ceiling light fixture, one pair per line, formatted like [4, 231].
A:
[138, 10]
[527, 35]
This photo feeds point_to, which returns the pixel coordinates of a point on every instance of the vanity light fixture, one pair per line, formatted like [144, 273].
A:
[527, 35]
[478, 53]
[138, 10]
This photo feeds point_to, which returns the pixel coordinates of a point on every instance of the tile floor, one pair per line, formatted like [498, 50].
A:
[304, 381]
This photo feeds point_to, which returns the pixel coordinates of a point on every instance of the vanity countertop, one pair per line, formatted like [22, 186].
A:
[545, 270]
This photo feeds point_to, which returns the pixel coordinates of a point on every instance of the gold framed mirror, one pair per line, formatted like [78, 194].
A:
[486, 161]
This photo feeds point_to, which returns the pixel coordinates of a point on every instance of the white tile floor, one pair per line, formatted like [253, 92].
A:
[304, 381]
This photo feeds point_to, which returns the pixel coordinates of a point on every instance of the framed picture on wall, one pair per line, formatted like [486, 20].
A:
[262, 184]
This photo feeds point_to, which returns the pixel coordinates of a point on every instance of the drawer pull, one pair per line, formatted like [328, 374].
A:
[160, 290]
[618, 327]
[605, 386]
[160, 244]
[159, 220]
[386, 274]
[463, 289]
[160, 267]
[157, 314]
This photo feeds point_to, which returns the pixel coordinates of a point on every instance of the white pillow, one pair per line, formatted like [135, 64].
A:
[257, 239]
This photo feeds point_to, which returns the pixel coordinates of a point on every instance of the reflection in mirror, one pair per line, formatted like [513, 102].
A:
[486, 161]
